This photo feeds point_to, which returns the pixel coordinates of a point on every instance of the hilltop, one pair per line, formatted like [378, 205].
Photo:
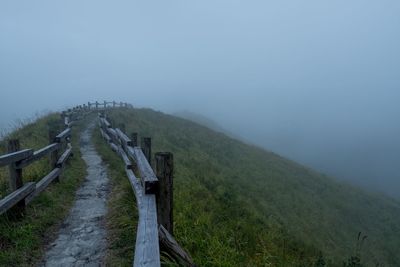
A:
[237, 204]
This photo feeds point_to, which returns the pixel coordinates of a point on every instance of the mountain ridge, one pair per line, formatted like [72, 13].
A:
[312, 208]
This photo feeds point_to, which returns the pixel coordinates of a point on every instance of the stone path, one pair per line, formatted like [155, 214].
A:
[81, 240]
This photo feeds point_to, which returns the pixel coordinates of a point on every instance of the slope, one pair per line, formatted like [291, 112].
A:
[237, 204]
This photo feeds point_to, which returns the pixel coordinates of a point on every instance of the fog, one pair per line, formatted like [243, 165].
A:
[315, 81]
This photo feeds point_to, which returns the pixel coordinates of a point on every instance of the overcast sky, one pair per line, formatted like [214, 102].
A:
[317, 81]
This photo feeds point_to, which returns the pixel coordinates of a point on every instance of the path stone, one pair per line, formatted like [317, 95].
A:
[81, 240]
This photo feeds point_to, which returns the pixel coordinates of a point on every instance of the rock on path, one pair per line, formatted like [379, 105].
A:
[81, 240]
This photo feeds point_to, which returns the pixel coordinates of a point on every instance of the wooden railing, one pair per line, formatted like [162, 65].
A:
[22, 194]
[153, 192]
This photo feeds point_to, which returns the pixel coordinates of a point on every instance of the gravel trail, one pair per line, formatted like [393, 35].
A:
[81, 240]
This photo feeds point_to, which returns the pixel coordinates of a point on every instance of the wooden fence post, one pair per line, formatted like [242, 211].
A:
[97, 105]
[113, 104]
[54, 154]
[164, 172]
[15, 176]
[105, 104]
[88, 103]
[134, 139]
[146, 148]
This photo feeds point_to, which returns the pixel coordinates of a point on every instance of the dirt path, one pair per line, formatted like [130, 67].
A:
[81, 240]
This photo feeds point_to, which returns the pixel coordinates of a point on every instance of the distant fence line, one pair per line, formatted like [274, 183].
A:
[153, 191]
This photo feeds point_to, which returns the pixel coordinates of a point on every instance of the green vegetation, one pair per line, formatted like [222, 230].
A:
[22, 241]
[239, 205]
[234, 204]
[122, 213]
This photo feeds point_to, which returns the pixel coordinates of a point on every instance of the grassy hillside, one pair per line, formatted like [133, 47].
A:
[22, 241]
[239, 205]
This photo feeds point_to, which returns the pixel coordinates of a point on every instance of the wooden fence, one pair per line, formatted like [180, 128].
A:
[153, 191]
[16, 159]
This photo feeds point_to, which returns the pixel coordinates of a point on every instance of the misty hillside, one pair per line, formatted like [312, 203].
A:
[200, 119]
[237, 204]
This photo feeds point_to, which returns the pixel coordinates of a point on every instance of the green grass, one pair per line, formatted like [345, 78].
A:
[234, 204]
[122, 213]
[22, 241]
[239, 205]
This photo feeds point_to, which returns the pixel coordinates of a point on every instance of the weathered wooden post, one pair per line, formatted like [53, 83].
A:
[146, 148]
[134, 139]
[88, 103]
[105, 104]
[53, 154]
[97, 105]
[16, 175]
[164, 172]
[113, 104]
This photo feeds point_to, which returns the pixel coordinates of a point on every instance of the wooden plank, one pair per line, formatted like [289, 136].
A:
[127, 162]
[38, 154]
[136, 186]
[64, 157]
[113, 135]
[105, 136]
[64, 134]
[169, 245]
[43, 183]
[10, 158]
[114, 147]
[106, 123]
[149, 179]
[147, 251]
[164, 173]
[125, 141]
[16, 196]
